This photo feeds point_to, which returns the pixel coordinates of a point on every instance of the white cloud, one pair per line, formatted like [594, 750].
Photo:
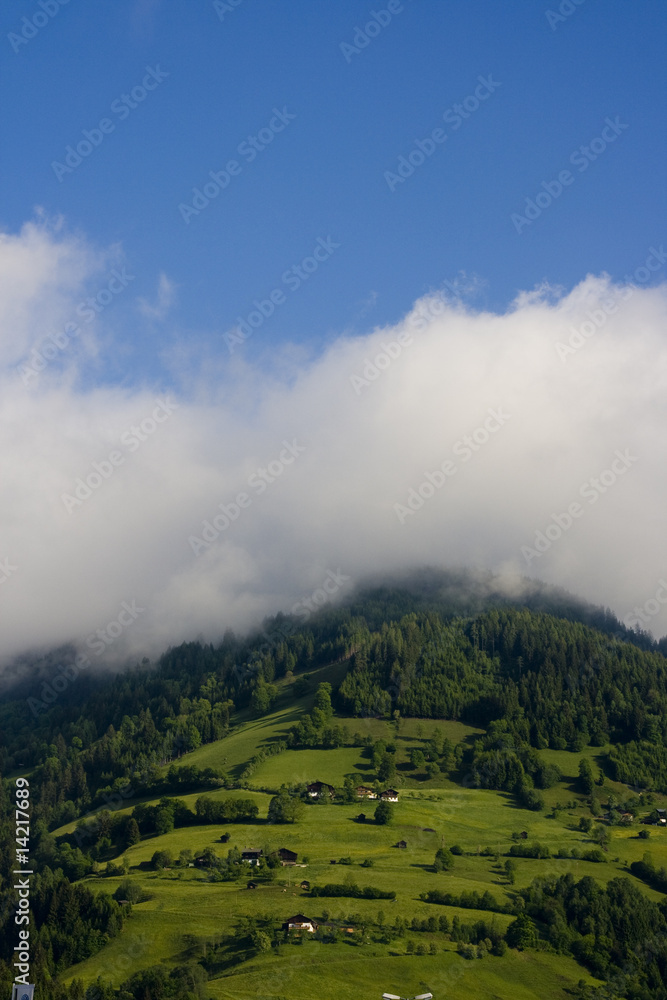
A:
[333, 505]
[163, 302]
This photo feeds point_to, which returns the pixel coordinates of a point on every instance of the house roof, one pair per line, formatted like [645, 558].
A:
[284, 852]
[299, 918]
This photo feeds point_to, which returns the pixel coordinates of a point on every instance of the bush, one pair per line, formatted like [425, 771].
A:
[383, 813]
[529, 798]
[467, 900]
[522, 933]
[456, 849]
[351, 891]
[595, 855]
[548, 775]
[129, 890]
[284, 808]
[161, 859]
[529, 851]
[444, 860]
[225, 811]
[120, 867]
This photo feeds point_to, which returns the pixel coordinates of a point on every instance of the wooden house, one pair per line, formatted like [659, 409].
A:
[317, 789]
[363, 792]
[300, 922]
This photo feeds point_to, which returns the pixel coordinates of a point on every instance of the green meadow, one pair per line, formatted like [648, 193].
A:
[184, 912]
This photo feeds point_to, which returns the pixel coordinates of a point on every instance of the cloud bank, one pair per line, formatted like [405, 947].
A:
[528, 443]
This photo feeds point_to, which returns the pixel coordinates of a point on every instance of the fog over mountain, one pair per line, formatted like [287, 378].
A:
[527, 443]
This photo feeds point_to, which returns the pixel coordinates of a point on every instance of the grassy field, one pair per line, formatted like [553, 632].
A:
[233, 753]
[184, 912]
[163, 929]
[340, 971]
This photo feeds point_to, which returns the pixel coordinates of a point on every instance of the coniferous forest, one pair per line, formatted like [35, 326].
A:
[109, 757]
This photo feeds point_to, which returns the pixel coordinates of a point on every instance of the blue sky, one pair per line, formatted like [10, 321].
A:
[355, 114]
[427, 289]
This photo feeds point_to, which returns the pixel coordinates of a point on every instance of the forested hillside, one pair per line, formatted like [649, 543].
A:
[526, 679]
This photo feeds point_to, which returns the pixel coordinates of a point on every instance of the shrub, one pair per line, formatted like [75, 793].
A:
[129, 890]
[383, 813]
[161, 859]
[284, 808]
[444, 860]
[468, 951]
[351, 891]
[522, 933]
[595, 855]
